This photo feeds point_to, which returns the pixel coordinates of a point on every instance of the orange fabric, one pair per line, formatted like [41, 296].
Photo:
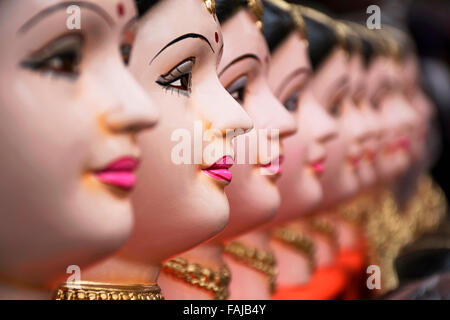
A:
[326, 283]
[353, 262]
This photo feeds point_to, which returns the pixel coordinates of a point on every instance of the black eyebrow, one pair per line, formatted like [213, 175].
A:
[63, 5]
[342, 82]
[183, 37]
[240, 58]
[340, 86]
[291, 76]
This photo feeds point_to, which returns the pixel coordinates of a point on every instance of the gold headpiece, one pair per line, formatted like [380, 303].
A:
[257, 9]
[210, 6]
[295, 14]
[84, 290]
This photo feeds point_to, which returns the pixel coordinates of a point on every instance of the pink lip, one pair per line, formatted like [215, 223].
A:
[120, 173]
[354, 161]
[318, 166]
[371, 156]
[403, 143]
[275, 168]
[219, 170]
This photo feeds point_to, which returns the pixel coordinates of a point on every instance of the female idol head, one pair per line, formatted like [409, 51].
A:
[70, 112]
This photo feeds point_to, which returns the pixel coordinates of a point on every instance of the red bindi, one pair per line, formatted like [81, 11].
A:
[217, 37]
[120, 9]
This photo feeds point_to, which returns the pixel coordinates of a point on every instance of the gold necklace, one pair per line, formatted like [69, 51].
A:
[85, 290]
[325, 228]
[357, 210]
[204, 278]
[258, 259]
[299, 241]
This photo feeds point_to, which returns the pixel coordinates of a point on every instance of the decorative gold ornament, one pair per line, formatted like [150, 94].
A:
[389, 229]
[257, 9]
[298, 241]
[210, 6]
[258, 259]
[204, 278]
[357, 210]
[326, 228]
[84, 290]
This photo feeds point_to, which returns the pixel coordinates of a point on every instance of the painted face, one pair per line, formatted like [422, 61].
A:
[254, 197]
[69, 113]
[398, 118]
[368, 136]
[182, 204]
[305, 152]
[332, 87]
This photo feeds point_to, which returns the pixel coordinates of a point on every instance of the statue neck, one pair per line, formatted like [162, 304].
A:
[122, 271]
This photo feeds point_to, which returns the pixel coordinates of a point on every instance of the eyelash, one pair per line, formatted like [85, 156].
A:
[182, 73]
[238, 88]
[64, 62]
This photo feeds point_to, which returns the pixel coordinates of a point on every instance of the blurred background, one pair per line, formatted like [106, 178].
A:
[423, 266]
[428, 23]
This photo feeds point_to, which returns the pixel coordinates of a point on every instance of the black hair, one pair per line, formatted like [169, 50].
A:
[367, 51]
[225, 9]
[352, 40]
[278, 24]
[144, 5]
[322, 40]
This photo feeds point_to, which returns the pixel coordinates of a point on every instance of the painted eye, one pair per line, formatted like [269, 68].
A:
[126, 46]
[375, 104]
[291, 103]
[238, 88]
[61, 57]
[335, 109]
[375, 101]
[357, 98]
[179, 78]
[125, 51]
[182, 83]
